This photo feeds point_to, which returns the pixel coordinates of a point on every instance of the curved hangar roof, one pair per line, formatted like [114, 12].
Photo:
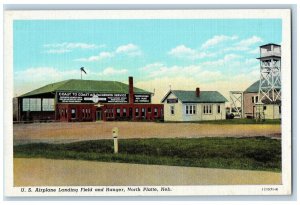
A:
[75, 85]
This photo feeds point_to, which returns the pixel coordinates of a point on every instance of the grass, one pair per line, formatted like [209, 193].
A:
[233, 121]
[258, 153]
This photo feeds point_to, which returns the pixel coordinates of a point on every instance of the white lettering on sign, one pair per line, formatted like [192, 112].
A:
[142, 98]
[95, 99]
[82, 97]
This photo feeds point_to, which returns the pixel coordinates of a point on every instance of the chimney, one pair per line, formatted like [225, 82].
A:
[197, 92]
[131, 99]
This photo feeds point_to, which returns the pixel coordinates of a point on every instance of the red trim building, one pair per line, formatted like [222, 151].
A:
[86, 100]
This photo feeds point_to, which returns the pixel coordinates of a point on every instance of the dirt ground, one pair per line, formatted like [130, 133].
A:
[47, 172]
[62, 132]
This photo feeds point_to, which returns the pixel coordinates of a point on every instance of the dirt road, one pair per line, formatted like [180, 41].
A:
[47, 172]
[61, 132]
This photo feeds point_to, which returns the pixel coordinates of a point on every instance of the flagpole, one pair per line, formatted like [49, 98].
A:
[81, 74]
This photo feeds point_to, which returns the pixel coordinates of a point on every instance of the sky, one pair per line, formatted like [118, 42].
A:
[161, 54]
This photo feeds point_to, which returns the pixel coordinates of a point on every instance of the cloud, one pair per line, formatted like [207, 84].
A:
[152, 66]
[227, 59]
[129, 49]
[58, 48]
[101, 56]
[254, 51]
[245, 45]
[113, 71]
[157, 70]
[182, 51]
[162, 84]
[221, 83]
[23, 81]
[217, 40]
[58, 51]
[250, 41]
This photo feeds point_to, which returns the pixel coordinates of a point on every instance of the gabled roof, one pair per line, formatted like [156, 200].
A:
[254, 88]
[270, 44]
[77, 85]
[190, 96]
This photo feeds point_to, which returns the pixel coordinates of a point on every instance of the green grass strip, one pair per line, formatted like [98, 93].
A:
[259, 153]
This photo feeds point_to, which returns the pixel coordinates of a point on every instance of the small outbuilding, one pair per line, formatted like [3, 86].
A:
[182, 105]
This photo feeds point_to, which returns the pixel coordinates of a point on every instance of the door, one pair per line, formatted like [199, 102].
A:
[130, 113]
[98, 115]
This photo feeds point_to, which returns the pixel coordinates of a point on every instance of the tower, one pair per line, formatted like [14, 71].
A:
[269, 94]
[270, 74]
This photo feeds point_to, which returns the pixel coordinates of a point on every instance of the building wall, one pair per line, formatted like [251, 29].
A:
[133, 112]
[249, 111]
[180, 111]
[37, 116]
[177, 116]
[83, 112]
[272, 112]
[87, 112]
[15, 109]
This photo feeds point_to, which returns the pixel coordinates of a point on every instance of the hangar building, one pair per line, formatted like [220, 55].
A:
[88, 100]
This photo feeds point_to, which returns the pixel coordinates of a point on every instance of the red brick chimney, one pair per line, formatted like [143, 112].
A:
[197, 92]
[131, 99]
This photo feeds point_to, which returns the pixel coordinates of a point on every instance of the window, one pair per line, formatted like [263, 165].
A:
[73, 113]
[48, 104]
[279, 109]
[254, 99]
[118, 112]
[83, 113]
[124, 112]
[190, 109]
[219, 108]
[155, 111]
[86, 113]
[137, 112]
[143, 112]
[265, 107]
[109, 112]
[207, 109]
[26, 105]
[149, 109]
[32, 104]
[172, 110]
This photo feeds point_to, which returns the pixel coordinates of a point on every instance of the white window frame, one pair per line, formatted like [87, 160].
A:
[48, 104]
[190, 109]
[155, 112]
[218, 106]
[172, 107]
[207, 108]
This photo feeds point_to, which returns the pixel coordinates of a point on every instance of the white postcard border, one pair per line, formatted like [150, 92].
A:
[284, 14]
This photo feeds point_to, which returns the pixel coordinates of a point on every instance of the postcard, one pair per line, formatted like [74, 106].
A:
[147, 102]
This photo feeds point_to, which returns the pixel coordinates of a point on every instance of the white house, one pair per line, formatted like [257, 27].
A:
[181, 105]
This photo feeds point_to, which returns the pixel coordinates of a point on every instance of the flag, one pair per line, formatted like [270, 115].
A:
[82, 69]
